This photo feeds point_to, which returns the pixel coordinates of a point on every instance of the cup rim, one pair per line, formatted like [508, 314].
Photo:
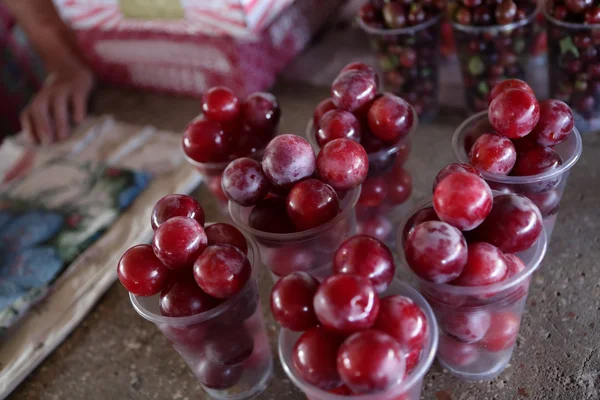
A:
[391, 149]
[498, 28]
[515, 180]
[216, 165]
[253, 258]
[404, 386]
[295, 236]
[570, 25]
[541, 246]
[402, 31]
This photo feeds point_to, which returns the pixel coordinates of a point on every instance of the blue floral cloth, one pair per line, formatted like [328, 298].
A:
[37, 242]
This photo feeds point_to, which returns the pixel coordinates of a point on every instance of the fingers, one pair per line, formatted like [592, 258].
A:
[27, 127]
[79, 104]
[40, 118]
[60, 114]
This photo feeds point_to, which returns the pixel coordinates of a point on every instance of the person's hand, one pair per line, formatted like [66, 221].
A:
[62, 99]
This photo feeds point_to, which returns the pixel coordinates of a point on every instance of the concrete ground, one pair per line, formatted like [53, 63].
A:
[116, 355]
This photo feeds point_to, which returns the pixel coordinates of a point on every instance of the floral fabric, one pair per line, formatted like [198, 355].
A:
[50, 215]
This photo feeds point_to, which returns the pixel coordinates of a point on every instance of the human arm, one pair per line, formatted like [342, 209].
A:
[69, 82]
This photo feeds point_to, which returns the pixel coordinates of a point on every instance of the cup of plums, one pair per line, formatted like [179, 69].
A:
[227, 129]
[472, 252]
[360, 333]
[405, 37]
[197, 283]
[522, 146]
[298, 206]
[493, 42]
[573, 28]
[384, 126]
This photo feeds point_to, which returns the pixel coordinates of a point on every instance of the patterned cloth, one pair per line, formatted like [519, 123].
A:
[51, 210]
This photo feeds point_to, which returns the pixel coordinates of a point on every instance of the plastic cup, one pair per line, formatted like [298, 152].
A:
[227, 347]
[408, 389]
[386, 193]
[310, 250]
[489, 54]
[211, 174]
[409, 60]
[574, 69]
[492, 314]
[545, 190]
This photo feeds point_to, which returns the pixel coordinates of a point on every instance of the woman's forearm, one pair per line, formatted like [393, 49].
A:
[47, 32]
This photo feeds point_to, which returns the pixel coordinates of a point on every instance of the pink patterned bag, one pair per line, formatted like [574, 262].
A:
[188, 46]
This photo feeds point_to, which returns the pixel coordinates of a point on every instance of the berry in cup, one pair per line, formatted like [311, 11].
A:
[485, 265]
[514, 113]
[300, 201]
[353, 341]
[287, 160]
[343, 164]
[190, 271]
[292, 301]
[436, 251]
[463, 200]
[270, 215]
[222, 270]
[312, 203]
[315, 358]
[493, 41]
[338, 124]
[532, 144]
[574, 58]
[222, 233]
[370, 361]
[385, 124]
[403, 320]
[454, 167]
[141, 272]
[220, 104]
[183, 297]
[513, 225]
[405, 38]
[478, 329]
[244, 182]
[176, 205]
[366, 256]
[493, 153]
[346, 303]
[231, 128]
[179, 241]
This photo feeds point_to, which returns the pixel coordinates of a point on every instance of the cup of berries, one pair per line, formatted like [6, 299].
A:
[197, 283]
[493, 42]
[405, 37]
[473, 252]
[298, 206]
[227, 129]
[522, 146]
[360, 333]
[384, 125]
[573, 28]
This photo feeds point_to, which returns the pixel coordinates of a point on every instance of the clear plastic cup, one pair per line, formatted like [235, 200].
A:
[409, 60]
[574, 69]
[211, 174]
[309, 250]
[491, 313]
[408, 389]
[489, 54]
[545, 190]
[386, 193]
[226, 348]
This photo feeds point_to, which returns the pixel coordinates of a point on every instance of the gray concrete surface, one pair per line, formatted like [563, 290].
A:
[116, 355]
